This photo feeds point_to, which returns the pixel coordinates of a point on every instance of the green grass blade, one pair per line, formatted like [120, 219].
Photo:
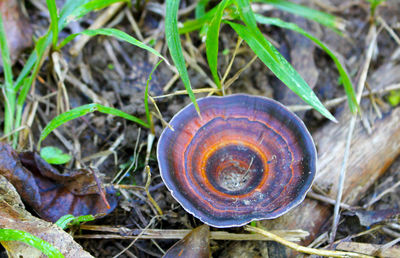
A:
[280, 67]
[5, 55]
[88, 7]
[51, 5]
[146, 94]
[18, 235]
[326, 19]
[69, 219]
[212, 41]
[10, 93]
[81, 111]
[246, 14]
[348, 86]
[116, 34]
[68, 8]
[200, 8]
[175, 47]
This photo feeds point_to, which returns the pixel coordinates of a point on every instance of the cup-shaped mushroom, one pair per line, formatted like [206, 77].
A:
[245, 158]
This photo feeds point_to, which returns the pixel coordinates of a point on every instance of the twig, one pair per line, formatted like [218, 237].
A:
[134, 25]
[337, 101]
[133, 163]
[126, 233]
[184, 92]
[389, 30]
[237, 74]
[133, 242]
[111, 149]
[379, 196]
[148, 193]
[101, 190]
[228, 69]
[361, 83]
[322, 198]
[303, 249]
[86, 90]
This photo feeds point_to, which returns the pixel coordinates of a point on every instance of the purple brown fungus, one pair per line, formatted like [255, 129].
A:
[245, 158]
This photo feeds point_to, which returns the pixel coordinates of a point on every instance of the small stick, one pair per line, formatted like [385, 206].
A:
[101, 190]
[361, 83]
[184, 92]
[303, 249]
[148, 193]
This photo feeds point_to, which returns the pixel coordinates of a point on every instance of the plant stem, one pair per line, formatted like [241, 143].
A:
[10, 93]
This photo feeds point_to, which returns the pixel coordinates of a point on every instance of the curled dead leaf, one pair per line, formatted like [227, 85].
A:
[50, 193]
[14, 216]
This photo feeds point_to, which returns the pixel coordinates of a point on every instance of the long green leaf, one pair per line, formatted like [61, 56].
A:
[22, 236]
[88, 7]
[200, 8]
[69, 219]
[175, 47]
[326, 19]
[348, 86]
[212, 41]
[146, 95]
[281, 68]
[81, 111]
[10, 93]
[117, 34]
[5, 56]
[51, 5]
[68, 8]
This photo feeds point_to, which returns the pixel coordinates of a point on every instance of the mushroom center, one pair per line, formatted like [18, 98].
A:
[234, 169]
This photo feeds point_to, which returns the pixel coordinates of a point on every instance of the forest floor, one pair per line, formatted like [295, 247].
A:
[116, 72]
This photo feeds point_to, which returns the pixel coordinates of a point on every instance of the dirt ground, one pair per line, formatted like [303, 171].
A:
[116, 73]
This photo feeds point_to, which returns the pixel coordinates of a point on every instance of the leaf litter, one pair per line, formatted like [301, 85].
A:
[52, 194]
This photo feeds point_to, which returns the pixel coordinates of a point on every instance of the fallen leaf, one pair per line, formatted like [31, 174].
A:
[368, 218]
[54, 155]
[17, 27]
[50, 193]
[14, 216]
[194, 244]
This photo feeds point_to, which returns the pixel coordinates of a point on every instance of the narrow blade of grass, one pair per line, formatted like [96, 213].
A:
[81, 111]
[175, 47]
[117, 34]
[69, 219]
[273, 59]
[18, 235]
[51, 5]
[200, 8]
[68, 8]
[281, 68]
[326, 19]
[10, 93]
[212, 41]
[5, 55]
[146, 98]
[88, 7]
[348, 86]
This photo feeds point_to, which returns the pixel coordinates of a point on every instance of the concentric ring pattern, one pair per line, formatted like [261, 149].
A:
[246, 158]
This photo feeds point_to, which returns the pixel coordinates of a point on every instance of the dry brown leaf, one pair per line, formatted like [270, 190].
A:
[14, 216]
[50, 193]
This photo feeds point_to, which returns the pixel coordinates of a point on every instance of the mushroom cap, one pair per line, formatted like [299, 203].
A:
[246, 158]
